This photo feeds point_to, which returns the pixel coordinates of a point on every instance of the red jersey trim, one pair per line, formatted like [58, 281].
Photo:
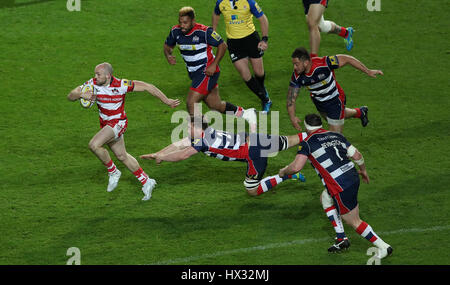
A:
[330, 183]
[115, 82]
[316, 62]
[240, 153]
[319, 131]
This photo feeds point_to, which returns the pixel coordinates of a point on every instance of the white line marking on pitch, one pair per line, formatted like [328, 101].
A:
[286, 244]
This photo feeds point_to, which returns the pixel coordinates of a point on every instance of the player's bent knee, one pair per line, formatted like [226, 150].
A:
[312, 23]
[251, 185]
[335, 122]
[93, 146]
[325, 26]
[252, 192]
[122, 156]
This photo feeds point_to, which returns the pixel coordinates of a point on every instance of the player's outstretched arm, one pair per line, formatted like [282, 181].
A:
[173, 156]
[140, 86]
[294, 140]
[178, 155]
[347, 59]
[290, 105]
[179, 145]
[295, 166]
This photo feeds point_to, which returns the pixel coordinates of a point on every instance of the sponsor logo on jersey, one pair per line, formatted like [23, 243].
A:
[216, 36]
[333, 60]
[258, 8]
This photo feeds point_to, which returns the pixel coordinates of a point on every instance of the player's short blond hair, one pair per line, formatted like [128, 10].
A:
[187, 11]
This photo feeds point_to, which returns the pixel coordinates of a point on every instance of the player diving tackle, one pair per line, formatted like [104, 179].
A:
[252, 149]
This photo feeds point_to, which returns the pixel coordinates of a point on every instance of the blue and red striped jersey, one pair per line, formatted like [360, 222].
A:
[222, 145]
[196, 46]
[320, 80]
[327, 152]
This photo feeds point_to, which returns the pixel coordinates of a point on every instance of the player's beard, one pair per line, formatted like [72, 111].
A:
[104, 82]
[187, 30]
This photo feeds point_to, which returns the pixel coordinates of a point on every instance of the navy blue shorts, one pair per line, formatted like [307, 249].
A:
[261, 146]
[347, 200]
[333, 108]
[203, 83]
[306, 4]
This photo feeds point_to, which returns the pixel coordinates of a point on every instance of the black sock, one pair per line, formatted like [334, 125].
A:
[230, 107]
[237, 111]
[261, 83]
[256, 88]
[261, 80]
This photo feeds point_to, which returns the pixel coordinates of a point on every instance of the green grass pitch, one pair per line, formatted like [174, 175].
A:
[53, 189]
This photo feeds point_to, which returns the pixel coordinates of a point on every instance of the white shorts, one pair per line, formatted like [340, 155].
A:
[118, 126]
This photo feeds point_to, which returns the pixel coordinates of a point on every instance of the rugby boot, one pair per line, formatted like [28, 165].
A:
[339, 245]
[250, 116]
[267, 104]
[364, 116]
[113, 180]
[299, 176]
[384, 252]
[148, 189]
[349, 39]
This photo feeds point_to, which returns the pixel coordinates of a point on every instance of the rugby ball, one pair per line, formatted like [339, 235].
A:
[86, 103]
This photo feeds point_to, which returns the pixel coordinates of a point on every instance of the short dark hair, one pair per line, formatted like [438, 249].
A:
[313, 120]
[301, 53]
[199, 121]
[187, 11]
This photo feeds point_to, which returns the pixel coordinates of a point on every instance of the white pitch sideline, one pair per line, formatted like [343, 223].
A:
[286, 244]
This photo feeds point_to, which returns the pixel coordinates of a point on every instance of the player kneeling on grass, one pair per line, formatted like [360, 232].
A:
[251, 148]
[330, 153]
[109, 93]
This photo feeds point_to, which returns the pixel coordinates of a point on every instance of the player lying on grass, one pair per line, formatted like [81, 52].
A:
[109, 93]
[330, 154]
[252, 149]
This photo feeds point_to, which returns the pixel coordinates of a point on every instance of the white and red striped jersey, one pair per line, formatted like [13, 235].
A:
[111, 99]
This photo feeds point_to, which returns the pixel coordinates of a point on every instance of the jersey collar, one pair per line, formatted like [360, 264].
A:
[318, 131]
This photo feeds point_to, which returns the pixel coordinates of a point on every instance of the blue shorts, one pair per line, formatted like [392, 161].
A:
[333, 108]
[261, 146]
[306, 4]
[347, 200]
[203, 83]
